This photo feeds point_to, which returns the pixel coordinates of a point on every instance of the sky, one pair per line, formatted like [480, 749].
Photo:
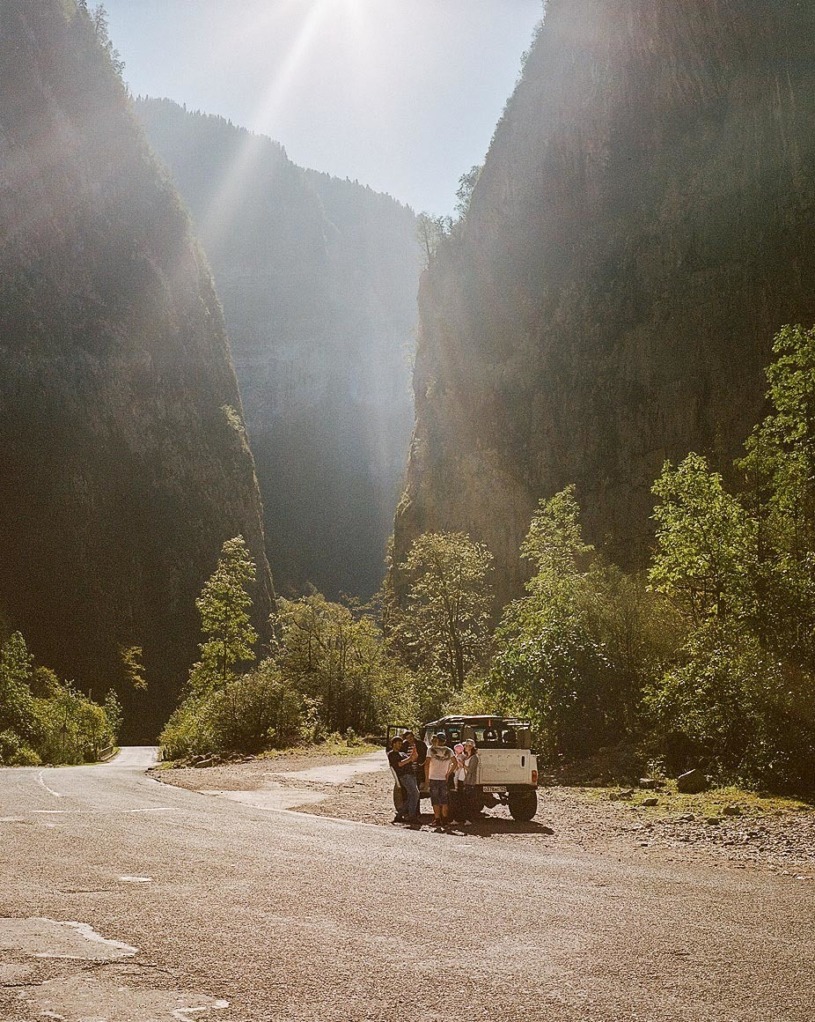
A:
[401, 95]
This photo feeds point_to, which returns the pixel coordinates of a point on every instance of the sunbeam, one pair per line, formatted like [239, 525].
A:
[230, 188]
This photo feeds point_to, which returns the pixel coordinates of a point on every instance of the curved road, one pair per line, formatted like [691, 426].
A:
[191, 907]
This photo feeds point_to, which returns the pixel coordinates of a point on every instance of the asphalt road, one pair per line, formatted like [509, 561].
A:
[194, 907]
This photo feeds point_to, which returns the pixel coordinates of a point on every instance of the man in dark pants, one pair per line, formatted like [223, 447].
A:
[411, 743]
[403, 763]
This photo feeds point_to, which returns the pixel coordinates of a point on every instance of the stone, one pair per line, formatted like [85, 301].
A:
[650, 801]
[692, 782]
[649, 783]
[713, 821]
[732, 811]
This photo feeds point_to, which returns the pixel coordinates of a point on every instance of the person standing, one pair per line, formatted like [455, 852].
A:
[472, 803]
[439, 766]
[403, 762]
[411, 742]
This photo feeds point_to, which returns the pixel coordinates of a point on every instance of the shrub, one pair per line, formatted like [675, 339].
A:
[14, 752]
[255, 712]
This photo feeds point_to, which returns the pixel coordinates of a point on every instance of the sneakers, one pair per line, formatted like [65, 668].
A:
[398, 819]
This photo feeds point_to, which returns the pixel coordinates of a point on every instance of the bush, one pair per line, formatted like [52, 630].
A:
[188, 731]
[14, 752]
[253, 713]
[736, 711]
[72, 728]
[256, 712]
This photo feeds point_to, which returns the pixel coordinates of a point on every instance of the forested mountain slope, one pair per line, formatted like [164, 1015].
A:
[644, 223]
[122, 470]
[318, 279]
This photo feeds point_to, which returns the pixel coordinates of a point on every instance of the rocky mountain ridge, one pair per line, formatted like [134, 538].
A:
[318, 279]
[643, 225]
[123, 464]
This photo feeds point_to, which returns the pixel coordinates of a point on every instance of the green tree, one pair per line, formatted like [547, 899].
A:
[779, 468]
[546, 661]
[336, 656]
[224, 606]
[741, 693]
[706, 543]
[132, 658]
[114, 714]
[577, 651]
[443, 630]
[17, 710]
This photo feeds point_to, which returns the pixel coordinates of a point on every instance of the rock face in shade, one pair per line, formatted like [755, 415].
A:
[318, 279]
[643, 225]
[122, 470]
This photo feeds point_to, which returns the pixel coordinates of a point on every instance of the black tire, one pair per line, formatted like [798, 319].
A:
[523, 805]
[398, 797]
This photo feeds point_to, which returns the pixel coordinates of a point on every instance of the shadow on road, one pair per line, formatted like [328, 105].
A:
[489, 826]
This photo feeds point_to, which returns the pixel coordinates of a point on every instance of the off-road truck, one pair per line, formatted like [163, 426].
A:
[507, 766]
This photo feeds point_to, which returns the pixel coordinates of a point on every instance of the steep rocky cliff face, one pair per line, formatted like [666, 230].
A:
[318, 279]
[121, 473]
[644, 223]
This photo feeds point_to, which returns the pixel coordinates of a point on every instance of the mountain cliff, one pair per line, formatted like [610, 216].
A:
[123, 466]
[318, 279]
[643, 224]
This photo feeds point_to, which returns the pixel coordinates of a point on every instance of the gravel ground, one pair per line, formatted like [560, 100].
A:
[779, 837]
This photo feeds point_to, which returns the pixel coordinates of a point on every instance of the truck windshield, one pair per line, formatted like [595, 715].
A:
[498, 736]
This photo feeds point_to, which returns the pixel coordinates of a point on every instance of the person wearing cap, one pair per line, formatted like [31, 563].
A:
[439, 766]
[402, 762]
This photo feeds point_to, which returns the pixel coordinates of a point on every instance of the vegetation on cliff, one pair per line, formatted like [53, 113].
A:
[120, 473]
[643, 223]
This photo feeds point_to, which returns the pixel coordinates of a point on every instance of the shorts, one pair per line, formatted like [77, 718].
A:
[438, 793]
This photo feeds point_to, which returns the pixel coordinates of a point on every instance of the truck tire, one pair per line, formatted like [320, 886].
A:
[398, 798]
[523, 805]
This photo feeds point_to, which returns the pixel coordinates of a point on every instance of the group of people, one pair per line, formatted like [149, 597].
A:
[444, 769]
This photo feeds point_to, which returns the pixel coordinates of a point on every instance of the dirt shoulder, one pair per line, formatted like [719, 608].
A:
[726, 825]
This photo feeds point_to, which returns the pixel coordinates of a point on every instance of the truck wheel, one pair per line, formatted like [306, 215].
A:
[523, 805]
[398, 797]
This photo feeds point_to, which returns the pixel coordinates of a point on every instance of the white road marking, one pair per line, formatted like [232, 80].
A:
[42, 783]
[135, 880]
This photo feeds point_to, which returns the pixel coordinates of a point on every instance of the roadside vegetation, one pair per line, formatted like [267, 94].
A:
[45, 720]
[707, 659]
